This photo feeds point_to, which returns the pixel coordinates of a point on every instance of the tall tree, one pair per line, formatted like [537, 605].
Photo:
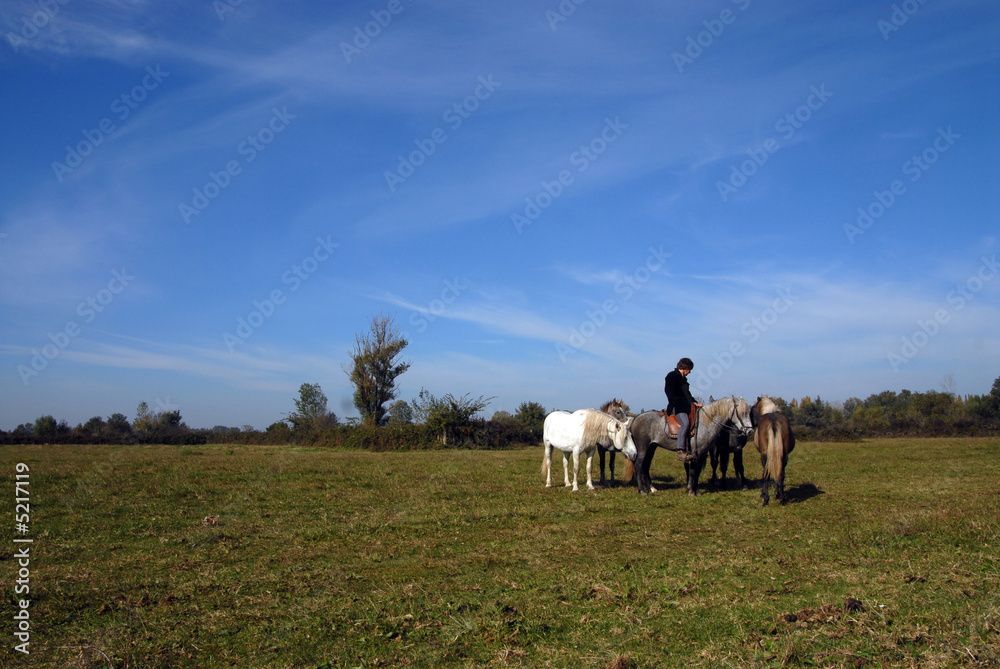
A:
[310, 411]
[118, 422]
[145, 420]
[532, 416]
[45, 427]
[374, 367]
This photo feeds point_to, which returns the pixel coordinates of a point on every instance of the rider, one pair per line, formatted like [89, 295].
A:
[679, 399]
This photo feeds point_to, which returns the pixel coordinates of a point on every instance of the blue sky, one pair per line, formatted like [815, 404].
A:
[202, 204]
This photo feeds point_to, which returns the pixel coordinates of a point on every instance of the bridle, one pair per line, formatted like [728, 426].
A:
[737, 426]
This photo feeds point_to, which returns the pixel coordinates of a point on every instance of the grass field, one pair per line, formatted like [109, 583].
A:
[215, 556]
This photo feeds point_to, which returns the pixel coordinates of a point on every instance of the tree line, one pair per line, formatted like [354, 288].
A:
[384, 423]
[429, 422]
[891, 414]
[388, 423]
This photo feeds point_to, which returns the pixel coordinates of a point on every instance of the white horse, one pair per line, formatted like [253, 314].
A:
[582, 432]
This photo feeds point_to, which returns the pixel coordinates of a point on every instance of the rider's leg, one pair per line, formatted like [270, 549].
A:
[682, 435]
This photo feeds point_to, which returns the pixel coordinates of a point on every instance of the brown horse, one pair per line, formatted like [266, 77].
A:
[775, 441]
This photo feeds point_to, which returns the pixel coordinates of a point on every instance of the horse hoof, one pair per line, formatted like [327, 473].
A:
[652, 489]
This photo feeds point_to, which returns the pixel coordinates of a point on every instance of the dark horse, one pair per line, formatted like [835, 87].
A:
[774, 441]
[729, 442]
[650, 429]
[616, 408]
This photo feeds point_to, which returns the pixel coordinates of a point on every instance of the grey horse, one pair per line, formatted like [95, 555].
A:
[650, 430]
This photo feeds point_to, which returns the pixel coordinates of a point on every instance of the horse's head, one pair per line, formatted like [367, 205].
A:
[742, 416]
[615, 407]
[621, 437]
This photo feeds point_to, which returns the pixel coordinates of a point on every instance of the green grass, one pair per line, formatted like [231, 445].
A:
[216, 556]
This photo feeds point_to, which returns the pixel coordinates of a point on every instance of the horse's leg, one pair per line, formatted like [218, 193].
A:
[590, 459]
[600, 455]
[611, 466]
[725, 467]
[779, 487]
[693, 469]
[738, 469]
[766, 480]
[576, 469]
[640, 466]
[640, 455]
[547, 464]
[645, 468]
[566, 456]
[716, 457]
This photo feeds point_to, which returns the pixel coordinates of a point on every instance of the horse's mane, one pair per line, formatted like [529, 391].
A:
[765, 405]
[595, 426]
[723, 409]
[612, 404]
[717, 410]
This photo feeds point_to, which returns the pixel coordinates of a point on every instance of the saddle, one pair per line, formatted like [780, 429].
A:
[674, 425]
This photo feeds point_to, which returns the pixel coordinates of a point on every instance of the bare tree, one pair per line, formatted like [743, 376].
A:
[374, 367]
[446, 414]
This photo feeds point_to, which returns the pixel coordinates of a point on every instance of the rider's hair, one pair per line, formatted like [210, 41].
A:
[685, 363]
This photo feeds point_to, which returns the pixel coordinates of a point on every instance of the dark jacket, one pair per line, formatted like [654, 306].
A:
[678, 393]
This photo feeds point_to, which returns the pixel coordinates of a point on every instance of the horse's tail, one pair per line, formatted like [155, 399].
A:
[628, 472]
[775, 452]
